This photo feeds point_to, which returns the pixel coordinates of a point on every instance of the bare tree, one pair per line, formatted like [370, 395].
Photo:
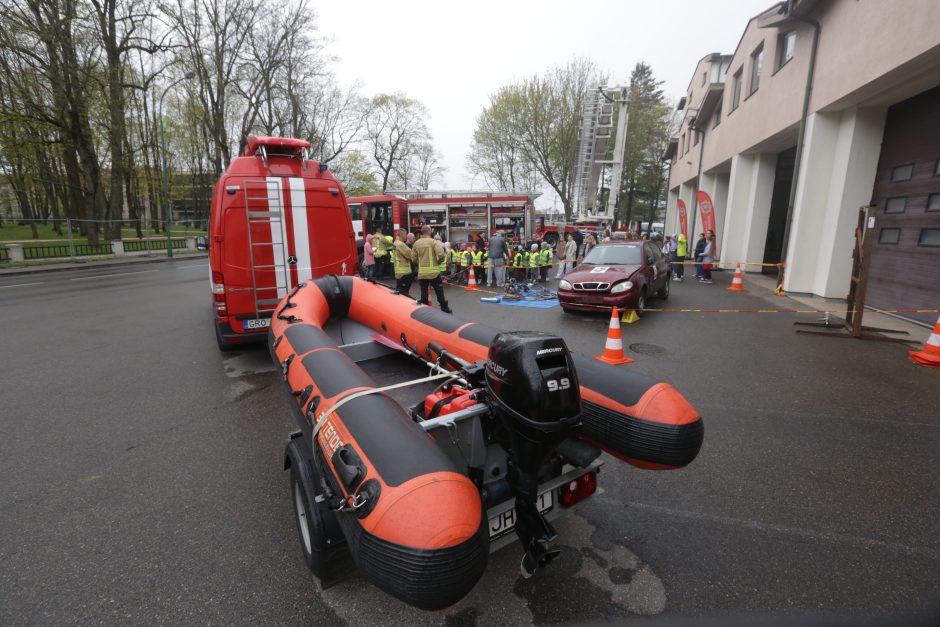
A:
[394, 129]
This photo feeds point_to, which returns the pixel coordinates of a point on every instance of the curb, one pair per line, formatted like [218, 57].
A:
[97, 263]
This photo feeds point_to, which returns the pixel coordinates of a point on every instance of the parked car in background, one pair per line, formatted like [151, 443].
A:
[625, 274]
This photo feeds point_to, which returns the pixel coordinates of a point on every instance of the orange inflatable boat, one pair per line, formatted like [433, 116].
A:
[413, 519]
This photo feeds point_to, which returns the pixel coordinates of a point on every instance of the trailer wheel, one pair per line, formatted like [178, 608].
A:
[309, 525]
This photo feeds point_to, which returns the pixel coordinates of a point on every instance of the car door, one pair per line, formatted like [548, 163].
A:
[649, 267]
[660, 266]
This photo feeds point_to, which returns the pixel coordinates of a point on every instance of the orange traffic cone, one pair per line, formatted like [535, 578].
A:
[929, 355]
[737, 283]
[613, 348]
[472, 282]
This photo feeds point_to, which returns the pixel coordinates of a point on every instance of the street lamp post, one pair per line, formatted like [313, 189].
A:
[166, 181]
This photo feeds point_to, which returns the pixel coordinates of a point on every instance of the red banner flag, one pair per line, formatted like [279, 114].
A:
[683, 218]
[708, 212]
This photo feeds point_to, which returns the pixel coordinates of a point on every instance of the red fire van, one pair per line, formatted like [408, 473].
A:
[277, 219]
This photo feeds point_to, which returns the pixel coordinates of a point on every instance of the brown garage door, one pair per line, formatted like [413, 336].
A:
[905, 266]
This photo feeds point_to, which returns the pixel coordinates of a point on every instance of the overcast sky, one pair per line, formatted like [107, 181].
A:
[452, 55]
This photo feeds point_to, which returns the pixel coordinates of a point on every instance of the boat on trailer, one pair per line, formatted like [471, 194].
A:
[426, 441]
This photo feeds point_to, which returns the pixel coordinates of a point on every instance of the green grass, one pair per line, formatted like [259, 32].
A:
[24, 234]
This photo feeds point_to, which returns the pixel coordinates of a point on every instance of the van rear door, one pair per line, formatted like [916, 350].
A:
[288, 230]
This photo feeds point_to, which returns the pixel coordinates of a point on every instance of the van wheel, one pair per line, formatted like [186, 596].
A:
[224, 346]
[309, 526]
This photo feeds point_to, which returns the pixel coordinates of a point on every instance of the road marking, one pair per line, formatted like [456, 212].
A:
[201, 265]
[3, 287]
[105, 276]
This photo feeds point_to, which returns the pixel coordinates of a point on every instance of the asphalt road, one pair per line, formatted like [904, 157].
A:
[141, 480]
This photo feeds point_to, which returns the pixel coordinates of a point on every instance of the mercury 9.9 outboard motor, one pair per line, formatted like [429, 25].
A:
[532, 381]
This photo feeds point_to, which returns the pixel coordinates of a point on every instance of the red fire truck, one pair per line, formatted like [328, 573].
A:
[455, 216]
[277, 219]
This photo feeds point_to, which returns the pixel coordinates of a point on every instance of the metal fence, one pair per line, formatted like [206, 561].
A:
[65, 250]
[63, 238]
[142, 245]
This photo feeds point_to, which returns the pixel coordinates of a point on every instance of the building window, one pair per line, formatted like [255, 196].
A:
[936, 168]
[757, 64]
[929, 237]
[889, 236]
[786, 46]
[902, 173]
[695, 135]
[933, 202]
[736, 89]
[704, 77]
[896, 205]
[683, 144]
[717, 114]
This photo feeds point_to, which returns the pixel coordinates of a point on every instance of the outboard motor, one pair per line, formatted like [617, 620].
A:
[532, 381]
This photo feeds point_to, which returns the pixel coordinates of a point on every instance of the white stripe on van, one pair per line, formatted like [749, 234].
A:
[278, 234]
[298, 203]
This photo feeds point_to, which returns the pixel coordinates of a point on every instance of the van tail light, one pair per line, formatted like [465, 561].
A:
[218, 294]
[578, 489]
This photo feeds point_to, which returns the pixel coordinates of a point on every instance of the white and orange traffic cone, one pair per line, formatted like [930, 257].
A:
[929, 355]
[613, 348]
[737, 283]
[472, 282]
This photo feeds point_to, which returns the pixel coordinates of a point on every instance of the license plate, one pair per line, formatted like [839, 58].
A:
[504, 523]
[260, 323]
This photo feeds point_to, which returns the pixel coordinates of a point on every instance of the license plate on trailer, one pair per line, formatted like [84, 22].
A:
[259, 323]
[504, 523]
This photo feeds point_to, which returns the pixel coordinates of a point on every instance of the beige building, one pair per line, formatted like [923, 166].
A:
[871, 133]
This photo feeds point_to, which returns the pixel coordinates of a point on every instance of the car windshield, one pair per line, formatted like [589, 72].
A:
[614, 256]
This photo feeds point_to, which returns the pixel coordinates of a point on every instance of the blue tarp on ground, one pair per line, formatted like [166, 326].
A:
[534, 304]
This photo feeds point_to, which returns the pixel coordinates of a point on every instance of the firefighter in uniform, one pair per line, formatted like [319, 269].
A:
[430, 254]
[381, 253]
[402, 257]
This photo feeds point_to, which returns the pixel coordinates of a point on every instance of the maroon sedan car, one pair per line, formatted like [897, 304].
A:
[623, 274]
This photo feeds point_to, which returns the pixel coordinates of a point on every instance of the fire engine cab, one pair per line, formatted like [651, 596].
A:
[277, 219]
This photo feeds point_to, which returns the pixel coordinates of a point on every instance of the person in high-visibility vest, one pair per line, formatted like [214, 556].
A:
[488, 264]
[519, 262]
[466, 265]
[402, 257]
[682, 249]
[429, 254]
[442, 268]
[454, 260]
[535, 260]
[476, 259]
[545, 262]
[381, 253]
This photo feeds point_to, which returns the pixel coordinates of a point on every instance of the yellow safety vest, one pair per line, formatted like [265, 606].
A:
[426, 251]
[380, 249]
[465, 258]
[402, 262]
[534, 258]
[477, 256]
[517, 261]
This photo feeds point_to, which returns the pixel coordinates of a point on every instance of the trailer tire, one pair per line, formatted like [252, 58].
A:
[310, 528]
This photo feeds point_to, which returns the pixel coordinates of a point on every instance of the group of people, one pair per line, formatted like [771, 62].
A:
[423, 258]
[705, 254]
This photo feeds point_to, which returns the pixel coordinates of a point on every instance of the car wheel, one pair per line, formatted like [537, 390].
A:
[663, 292]
[641, 303]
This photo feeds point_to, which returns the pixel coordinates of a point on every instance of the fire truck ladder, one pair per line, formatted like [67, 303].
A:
[259, 194]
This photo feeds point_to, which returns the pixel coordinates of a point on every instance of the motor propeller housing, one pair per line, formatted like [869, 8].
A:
[532, 381]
